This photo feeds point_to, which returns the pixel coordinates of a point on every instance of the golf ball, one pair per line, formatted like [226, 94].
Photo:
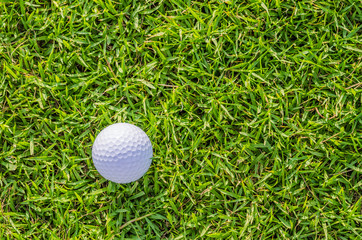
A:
[122, 153]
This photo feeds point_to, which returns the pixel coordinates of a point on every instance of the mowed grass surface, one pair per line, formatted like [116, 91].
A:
[253, 108]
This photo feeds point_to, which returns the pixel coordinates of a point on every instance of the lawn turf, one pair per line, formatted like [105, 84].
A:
[253, 108]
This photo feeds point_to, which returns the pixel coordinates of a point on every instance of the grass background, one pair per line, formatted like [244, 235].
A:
[253, 108]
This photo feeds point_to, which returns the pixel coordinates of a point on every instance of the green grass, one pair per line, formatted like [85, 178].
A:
[253, 108]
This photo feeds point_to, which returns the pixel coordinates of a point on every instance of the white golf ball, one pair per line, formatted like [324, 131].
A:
[122, 153]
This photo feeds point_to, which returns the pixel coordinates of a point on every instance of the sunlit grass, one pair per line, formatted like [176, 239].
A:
[253, 108]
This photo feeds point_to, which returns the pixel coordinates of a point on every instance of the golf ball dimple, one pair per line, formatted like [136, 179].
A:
[122, 153]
